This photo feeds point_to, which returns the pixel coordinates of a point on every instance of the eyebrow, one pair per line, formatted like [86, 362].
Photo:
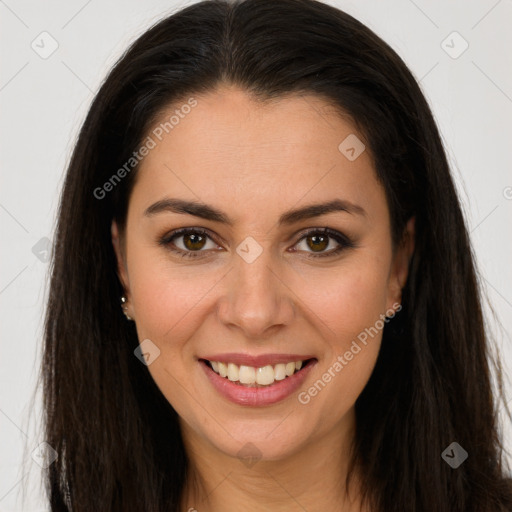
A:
[209, 212]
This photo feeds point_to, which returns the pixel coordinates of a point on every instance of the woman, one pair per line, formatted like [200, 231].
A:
[263, 293]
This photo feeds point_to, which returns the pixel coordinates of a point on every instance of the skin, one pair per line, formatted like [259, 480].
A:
[254, 162]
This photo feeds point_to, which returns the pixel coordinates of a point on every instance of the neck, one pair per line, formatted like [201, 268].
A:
[311, 478]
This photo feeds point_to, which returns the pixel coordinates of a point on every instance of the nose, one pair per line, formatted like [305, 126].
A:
[257, 299]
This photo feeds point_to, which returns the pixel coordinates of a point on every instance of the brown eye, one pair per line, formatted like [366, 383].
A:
[194, 241]
[188, 242]
[317, 241]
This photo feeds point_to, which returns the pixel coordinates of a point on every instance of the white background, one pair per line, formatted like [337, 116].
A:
[43, 102]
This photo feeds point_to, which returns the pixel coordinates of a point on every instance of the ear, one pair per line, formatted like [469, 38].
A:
[400, 264]
[121, 260]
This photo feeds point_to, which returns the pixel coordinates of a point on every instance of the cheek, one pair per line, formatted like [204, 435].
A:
[349, 298]
[169, 305]
[350, 302]
[167, 298]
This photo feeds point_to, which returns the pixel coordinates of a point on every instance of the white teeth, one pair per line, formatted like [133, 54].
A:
[247, 375]
[232, 372]
[263, 376]
[290, 369]
[279, 371]
[223, 370]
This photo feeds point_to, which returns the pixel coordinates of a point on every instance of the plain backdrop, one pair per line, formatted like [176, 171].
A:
[54, 55]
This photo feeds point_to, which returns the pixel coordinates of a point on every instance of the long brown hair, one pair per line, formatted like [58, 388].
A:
[118, 440]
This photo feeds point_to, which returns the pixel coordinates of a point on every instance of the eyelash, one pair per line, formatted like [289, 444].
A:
[343, 240]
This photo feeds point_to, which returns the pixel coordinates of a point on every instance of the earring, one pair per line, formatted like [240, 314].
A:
[125, 308]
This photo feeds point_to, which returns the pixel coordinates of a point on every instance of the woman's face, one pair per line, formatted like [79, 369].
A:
[259, 280]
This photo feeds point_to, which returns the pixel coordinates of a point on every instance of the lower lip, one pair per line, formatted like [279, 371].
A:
[255, 397]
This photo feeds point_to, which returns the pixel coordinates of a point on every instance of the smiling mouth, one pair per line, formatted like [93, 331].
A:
[262, 377]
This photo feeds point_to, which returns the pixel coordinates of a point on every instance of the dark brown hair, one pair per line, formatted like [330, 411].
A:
[118, 440]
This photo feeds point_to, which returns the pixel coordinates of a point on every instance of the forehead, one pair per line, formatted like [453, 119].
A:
[229, 145]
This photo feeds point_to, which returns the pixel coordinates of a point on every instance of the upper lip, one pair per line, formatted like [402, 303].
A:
[257, 361]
